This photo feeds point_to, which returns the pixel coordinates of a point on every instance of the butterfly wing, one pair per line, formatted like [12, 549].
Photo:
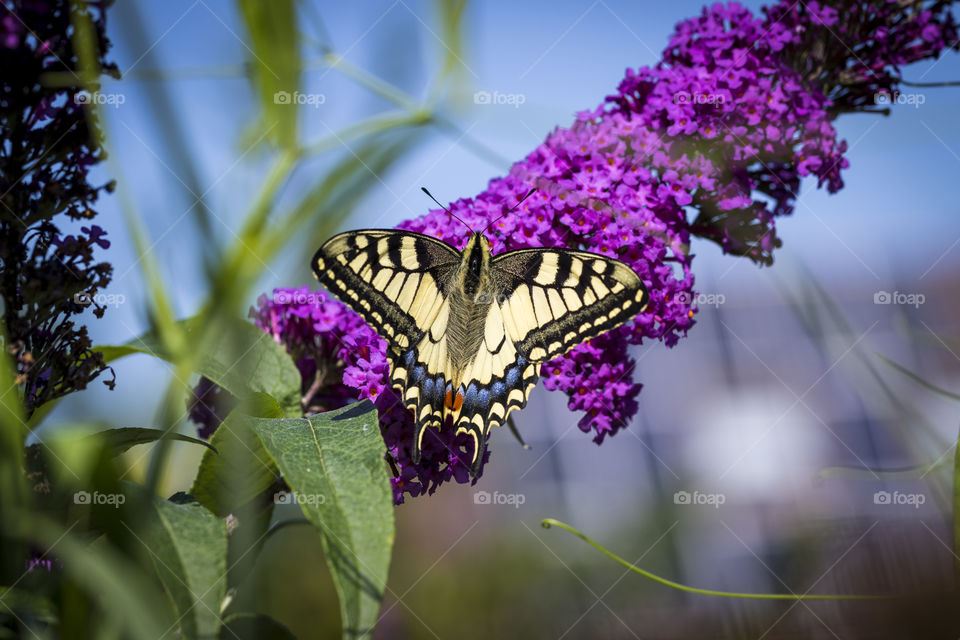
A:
[542, 303]
[555, 299]
[398, 282]
[547, 301]
[395, 280]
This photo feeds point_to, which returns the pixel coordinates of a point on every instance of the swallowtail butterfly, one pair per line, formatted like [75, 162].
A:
[468, 331]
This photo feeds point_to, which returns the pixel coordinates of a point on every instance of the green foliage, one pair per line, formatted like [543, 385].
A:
[120, 440]
[240, 469]
[189, 548]
[239, 357]
[333, 463]
[275, 53]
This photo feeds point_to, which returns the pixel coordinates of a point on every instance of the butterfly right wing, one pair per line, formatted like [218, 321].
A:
[559, 298]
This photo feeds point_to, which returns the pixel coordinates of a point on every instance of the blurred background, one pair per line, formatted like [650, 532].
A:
[776, 449]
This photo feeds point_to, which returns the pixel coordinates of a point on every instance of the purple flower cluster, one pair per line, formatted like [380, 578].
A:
[855, 50]
[733, 120]
[712, 142]
[341, 360]
[48, 144]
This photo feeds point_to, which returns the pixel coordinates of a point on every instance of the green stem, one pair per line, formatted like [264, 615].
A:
[917, 472]
[366, 128]
[550, 522]
[916, 378]
[262, 206]
[929, 84]
[956, 513]
[373, 83]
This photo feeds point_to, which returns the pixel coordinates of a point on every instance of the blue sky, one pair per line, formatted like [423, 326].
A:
[897, 219]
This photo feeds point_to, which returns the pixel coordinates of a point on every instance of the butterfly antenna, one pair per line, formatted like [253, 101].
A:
[519, 202]
[424, 189]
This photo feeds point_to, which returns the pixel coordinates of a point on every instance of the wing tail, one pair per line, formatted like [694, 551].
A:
[489, 405]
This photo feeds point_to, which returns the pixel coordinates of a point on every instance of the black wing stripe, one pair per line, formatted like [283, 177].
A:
[557, 299]
[371, 271]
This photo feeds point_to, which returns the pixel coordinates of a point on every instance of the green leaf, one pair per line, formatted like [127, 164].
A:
[240, 358]
[254, 626]
[12, 427]
[189, 547]
[275, 48]
[119, 440]
[333, 462]
[241, 469]
[42, 412]
[25, 604]
[919, 379]
[124, 594]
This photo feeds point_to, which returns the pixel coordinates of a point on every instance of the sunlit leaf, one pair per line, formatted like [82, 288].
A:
[333, 463]
[119, 440]
[189, 547]
[275, 55]
[240, 469]
[241, 358]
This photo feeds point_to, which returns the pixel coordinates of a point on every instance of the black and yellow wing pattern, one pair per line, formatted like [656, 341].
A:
[468, 331]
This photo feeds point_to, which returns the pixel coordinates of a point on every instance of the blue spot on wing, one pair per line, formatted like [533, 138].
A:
[513, 377]
[470, 399]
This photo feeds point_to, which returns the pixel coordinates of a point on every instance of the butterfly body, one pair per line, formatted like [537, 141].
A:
[468, 331]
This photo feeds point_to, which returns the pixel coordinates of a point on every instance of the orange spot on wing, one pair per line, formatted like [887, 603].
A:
[451, 402]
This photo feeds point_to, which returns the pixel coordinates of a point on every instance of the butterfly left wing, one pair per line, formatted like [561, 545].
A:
[396, 280]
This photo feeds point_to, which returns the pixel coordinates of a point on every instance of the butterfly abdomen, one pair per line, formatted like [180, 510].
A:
[470, 302]
[465, 329]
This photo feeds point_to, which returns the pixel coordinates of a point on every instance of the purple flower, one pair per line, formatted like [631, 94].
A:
[208, 406]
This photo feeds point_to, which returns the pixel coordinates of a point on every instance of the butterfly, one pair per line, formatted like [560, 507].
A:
[468, 331]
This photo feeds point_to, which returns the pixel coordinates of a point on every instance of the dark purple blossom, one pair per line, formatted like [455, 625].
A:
[48, 142]
[208, 407]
